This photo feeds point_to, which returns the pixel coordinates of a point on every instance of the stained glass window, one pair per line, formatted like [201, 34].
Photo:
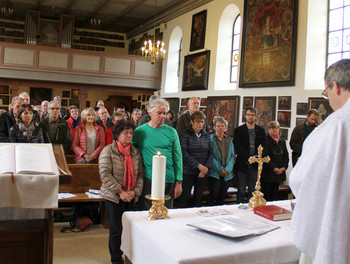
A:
[235, 48]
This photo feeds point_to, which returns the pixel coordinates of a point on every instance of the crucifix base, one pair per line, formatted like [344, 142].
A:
[257, 199]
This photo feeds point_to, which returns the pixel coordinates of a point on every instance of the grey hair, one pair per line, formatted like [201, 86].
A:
[45, 101]
[220, 119]
[24, 93]
[135, 110]
[158, 102]
[339, 72]
[16, 99]
[53, 101]
[273, 124]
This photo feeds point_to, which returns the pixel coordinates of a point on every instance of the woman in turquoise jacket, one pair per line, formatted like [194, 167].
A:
[224, 158]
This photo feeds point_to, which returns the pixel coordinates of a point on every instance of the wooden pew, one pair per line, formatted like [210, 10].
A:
[84, 177]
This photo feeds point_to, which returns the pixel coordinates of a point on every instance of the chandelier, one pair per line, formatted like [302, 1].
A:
[95, 22]
[153, 51]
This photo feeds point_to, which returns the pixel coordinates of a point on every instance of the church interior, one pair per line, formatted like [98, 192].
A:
[86, 51]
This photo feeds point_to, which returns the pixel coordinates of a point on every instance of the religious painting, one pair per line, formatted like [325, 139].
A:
[203, 102]
[64, 102]
[302, 108]
[284, 102]
[199, 22]
[88, 103]
[174, 104]
[322, 106]
[37, 95]
[227, 107]
[284, 118]
[183, 108]
[268, 43]
[184, 101]
[203, 109]
[75, 94]
[247, 101]
[300, 120]
[266, 110]
[139, 98]
[65, 94]
[5, 99]
[284, 133]
[139, 105]
[196, 71]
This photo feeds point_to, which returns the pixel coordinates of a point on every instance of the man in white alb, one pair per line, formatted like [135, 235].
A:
[321, 179]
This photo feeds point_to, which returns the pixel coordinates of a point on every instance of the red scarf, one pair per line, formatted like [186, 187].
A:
[277, 139]
[129, 175]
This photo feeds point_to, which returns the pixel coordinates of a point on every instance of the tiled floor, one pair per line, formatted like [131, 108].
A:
[89, 247]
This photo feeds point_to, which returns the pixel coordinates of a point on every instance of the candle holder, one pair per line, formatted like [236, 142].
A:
[158, 209]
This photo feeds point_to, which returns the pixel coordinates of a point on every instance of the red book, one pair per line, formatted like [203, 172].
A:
[273, 212]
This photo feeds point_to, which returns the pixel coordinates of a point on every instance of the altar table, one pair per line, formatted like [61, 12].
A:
[173, 241]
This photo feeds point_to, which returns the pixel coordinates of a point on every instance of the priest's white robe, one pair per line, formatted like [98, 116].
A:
[321, 183]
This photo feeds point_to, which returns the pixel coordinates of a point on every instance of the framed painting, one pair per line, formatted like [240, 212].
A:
[5, 99]
[75, 102]
[88, 103]
[203, 102]
[266, 110]
[227, 107]
[75, 94]
[284, 133]
[284, 102]
[174, 104]
[196, 71]
[184, 101]
[4, 89]
[37, 95]
[284, 118]
[199, 23]
[302, 108]
[247, 101]
[65, 94]
[322, 106]
[268, 43]
[300, 120]
[64, 102]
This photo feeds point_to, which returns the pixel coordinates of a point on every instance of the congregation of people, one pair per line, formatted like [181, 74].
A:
[200, 153]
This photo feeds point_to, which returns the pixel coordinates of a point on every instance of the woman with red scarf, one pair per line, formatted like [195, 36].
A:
[121, 172]
[274, 172]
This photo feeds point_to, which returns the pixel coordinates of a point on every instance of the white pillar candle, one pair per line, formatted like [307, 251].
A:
[158, 177]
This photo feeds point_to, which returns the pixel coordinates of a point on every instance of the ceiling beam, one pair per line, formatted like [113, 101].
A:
[69, 6]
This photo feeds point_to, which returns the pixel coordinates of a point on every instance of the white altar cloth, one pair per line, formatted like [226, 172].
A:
[29, 191]
[172, 241]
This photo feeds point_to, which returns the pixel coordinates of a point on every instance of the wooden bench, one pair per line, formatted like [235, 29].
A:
[84, 177]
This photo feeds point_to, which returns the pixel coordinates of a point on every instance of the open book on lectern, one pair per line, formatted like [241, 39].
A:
[27, 159]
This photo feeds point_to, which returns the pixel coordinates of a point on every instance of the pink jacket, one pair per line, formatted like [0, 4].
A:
[79, 141]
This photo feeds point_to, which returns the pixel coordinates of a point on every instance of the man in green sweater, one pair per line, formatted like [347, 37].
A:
[156, 136]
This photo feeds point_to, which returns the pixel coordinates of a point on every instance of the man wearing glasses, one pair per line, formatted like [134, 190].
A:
[55, 129]
[321, 179]
[301, 132]
[247, 139]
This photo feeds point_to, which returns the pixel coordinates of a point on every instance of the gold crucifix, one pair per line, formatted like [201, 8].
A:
[258, 197]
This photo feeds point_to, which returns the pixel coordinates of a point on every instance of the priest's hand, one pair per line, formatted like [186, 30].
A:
[178, 189]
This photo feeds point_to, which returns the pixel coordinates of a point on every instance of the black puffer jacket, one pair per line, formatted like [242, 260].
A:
[195, 150]
[17, 136]
[279, 158]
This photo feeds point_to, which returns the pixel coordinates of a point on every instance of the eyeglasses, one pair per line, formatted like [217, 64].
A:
[127, 133]
[53, 108]
[250, 115]
[324, 93]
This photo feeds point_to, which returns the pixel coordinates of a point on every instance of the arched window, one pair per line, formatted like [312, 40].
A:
[235, 48]
[338, 46]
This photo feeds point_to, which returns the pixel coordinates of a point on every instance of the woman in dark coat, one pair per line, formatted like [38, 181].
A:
[26, 130]
[274, 172]
[197, 155]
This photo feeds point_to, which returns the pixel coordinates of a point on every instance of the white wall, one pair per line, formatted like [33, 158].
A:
[310, 54]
